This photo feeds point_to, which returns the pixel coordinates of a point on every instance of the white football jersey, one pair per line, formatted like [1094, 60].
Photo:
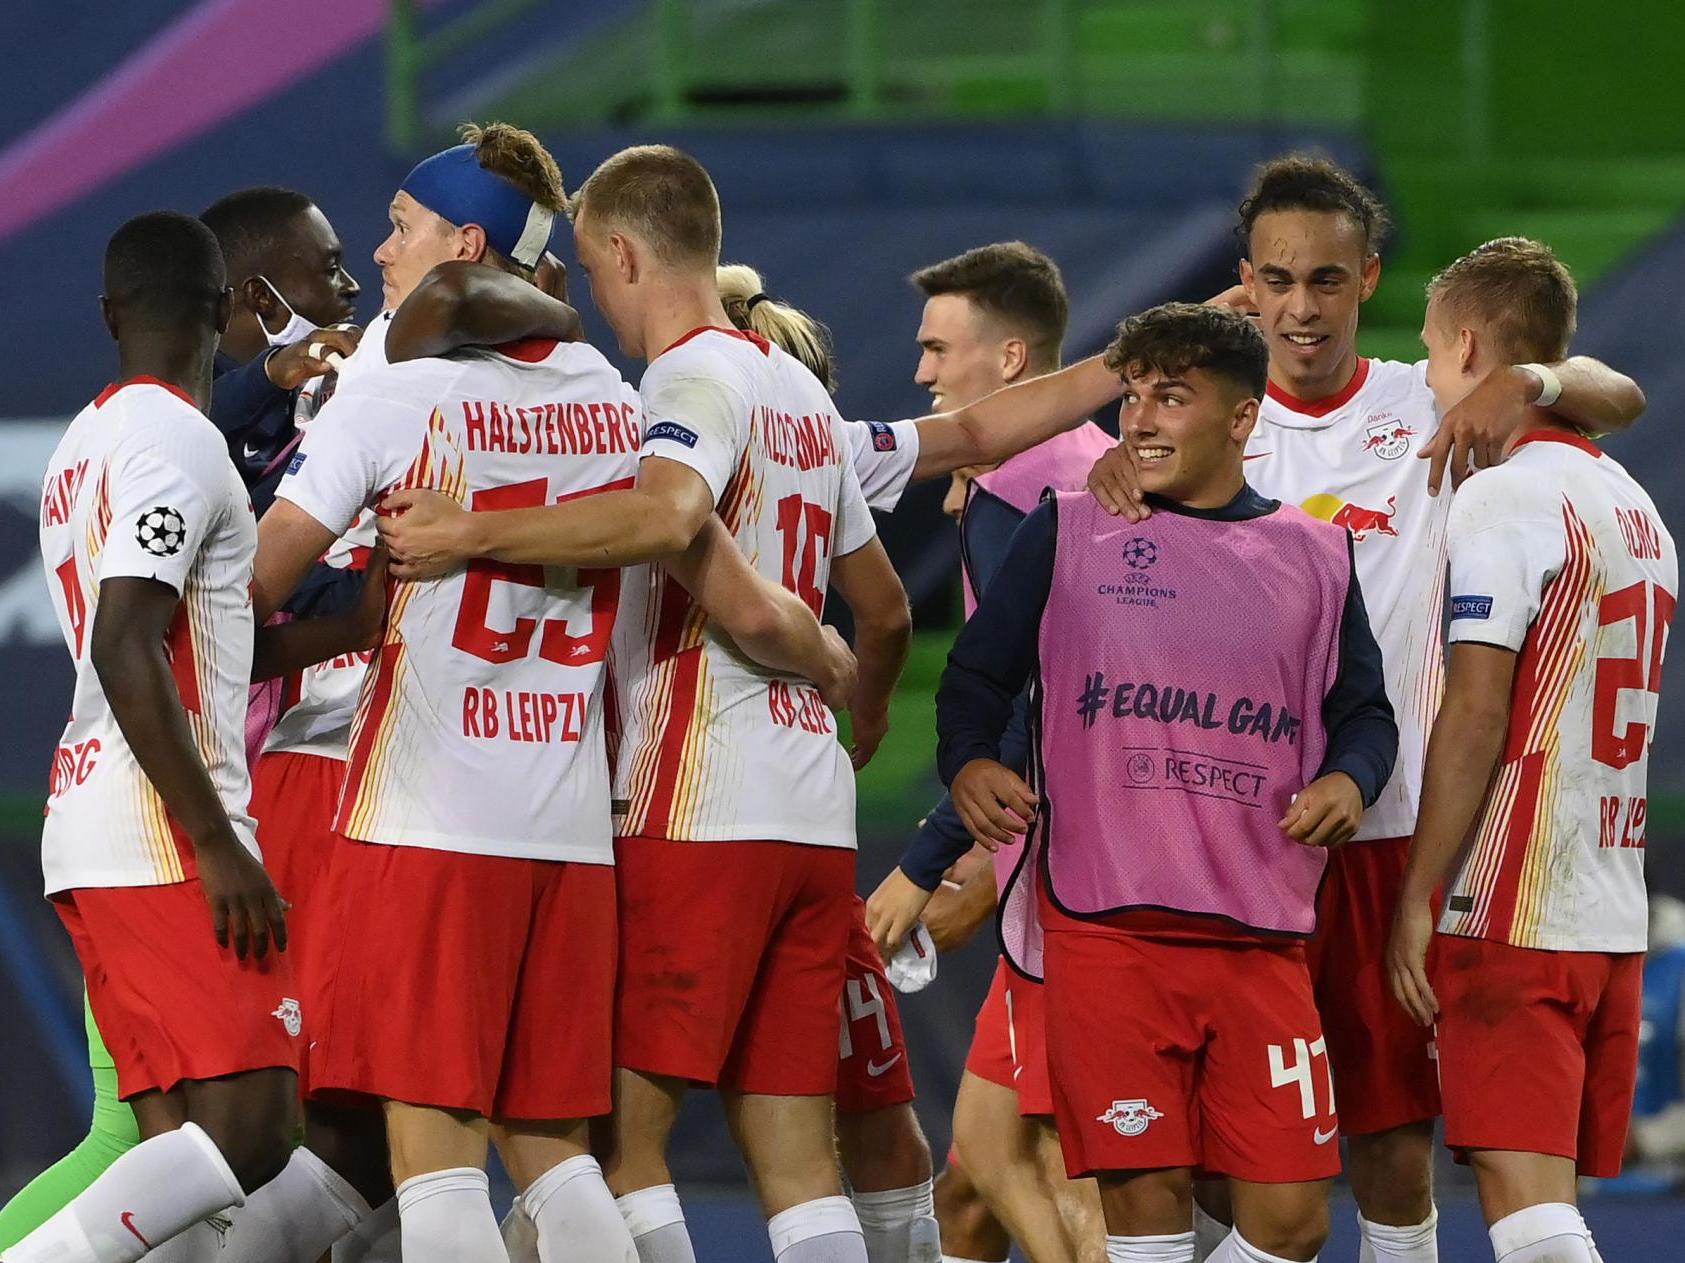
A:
[712, 748]
[479, 728]
[884, 453]
[1351, 459]
[319, 703]
[141, 487]
[1561, 556]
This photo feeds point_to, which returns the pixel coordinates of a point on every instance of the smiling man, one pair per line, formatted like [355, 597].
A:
[1178, 832]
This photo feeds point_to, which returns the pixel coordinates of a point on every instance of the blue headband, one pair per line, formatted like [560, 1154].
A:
[453, 185]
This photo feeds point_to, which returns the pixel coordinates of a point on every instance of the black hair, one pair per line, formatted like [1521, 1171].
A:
[1309, 182]
[248, 223]
[1172, 338]
[166, 268]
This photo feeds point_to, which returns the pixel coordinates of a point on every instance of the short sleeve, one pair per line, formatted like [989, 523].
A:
[1506, 544]
[698, 421]
[166, 496]
[855, 527]
[359, 444]
[884, 454]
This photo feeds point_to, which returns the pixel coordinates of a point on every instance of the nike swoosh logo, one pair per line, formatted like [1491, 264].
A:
[1257, 456]
[250, 451]
[127, 1219]
[1323, 1137]
[874, 1069]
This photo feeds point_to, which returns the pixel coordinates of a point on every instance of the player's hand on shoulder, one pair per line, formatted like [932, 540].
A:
[424, 531]
[1407, 959]
[246, 909]
[893, 910]
[321, 352]
[1116, 484]
[1325, 813]
[1476, 431]
[993, 801]
[839, 674]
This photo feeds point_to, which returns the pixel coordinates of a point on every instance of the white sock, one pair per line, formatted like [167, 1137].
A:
[657, 1223]
[1383, 1243]
[1551, 1232]
[825, 1230]
[375, 1239]
[955, 1258]
[924, 1239]
[576, 1216]
[520, 1235]
[292, 1219]
[1209, 1233]
[1178, 1247]
[153, 1192]
[887, 1218]
[1237, 1249]
[446, 1218]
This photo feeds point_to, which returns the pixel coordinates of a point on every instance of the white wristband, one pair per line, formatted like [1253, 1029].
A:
[1550, 385]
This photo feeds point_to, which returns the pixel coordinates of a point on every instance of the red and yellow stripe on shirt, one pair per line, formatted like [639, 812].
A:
[376, 732]
[1509, 859]
[675, 710]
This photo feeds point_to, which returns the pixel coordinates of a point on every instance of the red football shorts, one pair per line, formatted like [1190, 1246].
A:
[1383, 1062]
[171, 1004]
[1538, 1051]
[872, 1069]
[295, 797]
[470, 982]
[1187, 1054]
[1010, 1044]
[732, 962]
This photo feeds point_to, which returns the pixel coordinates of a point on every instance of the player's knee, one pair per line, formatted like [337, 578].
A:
[1291, 1231]
[1392, 1174]
[884, 1149]
[254, 1125]
[256, 1149]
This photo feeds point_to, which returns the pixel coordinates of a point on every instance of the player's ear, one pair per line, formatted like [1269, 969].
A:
[471, 243]
[1247, 278]
[1014, 358]
[625, 256]
[224, 309]
[261, 299]
[107, 316]
[1244, 418]
[1371, 276]
[1468, 349]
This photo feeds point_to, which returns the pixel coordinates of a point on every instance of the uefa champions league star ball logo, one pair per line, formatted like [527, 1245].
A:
[1130, 1118]
[1140, 553]
[161, 531]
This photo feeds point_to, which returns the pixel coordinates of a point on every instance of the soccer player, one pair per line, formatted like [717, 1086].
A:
[1563, 583]
[293, 298]
[882, 1148]
[476, 786]
[736, 843]
[148, 539]
[1338, 434]
[992, 316]
[1185, 786]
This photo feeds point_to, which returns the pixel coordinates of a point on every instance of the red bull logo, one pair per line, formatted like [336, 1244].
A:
[1387, 437]
[1356, 518]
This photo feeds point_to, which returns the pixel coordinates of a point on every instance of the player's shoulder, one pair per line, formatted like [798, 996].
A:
[1397, 381]
[159, 418]
[1318, 531]
[1521, 490]
[729, 355]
